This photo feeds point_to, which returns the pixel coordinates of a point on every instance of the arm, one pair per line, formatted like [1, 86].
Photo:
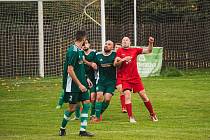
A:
[150, 46]
[87, 62]
[91, 64]
[118, 62]
[75, 79]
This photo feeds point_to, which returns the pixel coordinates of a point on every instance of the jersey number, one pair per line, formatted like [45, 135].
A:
[70, 98]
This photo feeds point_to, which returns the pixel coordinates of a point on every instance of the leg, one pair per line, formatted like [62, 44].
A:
[93, 100]
[122, 98]
[77, 112]
[128, 105]
[107, 99]
[60, 100]
[85, 98]
[84, 115]
[98, 106]
[67, 114]
[148, 105]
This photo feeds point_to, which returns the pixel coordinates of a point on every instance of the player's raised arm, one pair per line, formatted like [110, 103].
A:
[150, 46]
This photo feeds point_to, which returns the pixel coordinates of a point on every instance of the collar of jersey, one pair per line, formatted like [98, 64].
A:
[107, 54]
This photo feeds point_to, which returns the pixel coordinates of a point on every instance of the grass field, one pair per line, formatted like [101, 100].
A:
[27, 111]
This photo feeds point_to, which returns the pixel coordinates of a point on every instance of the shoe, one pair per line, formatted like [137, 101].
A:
[62, 132]
[95, 120]
[154, 117]
[85, 134]
[124, 110]
[132, 120]
[92, 117]
[75, 118]
[58, 107]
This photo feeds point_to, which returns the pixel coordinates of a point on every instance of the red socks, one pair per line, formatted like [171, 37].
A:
[129, 109]
[122, 99]
[149, 107]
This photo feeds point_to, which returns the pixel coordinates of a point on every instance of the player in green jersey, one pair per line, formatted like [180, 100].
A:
[90, 70]
[106, 81]
[75, 84]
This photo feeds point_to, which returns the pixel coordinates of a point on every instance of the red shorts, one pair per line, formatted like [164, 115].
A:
[118, 81]
[135, 85]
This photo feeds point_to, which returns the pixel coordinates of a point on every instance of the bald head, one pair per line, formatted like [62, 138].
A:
[108, 46]
[126, 42]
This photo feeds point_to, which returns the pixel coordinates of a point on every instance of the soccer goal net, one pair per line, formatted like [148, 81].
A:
[181, 27]
[19, 34]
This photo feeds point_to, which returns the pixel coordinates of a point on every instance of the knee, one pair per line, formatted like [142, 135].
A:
[86, 102]
[107, 100]
[92, 98]
[127, 97]
[143, 96]
[72, 108]
[99, 98]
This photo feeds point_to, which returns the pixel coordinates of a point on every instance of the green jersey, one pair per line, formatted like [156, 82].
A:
[88, 69]
[107, 72]
[74, 57]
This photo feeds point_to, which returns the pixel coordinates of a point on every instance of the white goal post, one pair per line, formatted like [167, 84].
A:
[40, 23]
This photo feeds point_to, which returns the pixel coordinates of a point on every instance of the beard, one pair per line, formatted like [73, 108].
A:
[107, 51]
[125, 46]
[85, 49]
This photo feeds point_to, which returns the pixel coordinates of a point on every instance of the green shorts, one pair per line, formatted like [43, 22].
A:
[75, 97]
[93, 88]
[110, 88]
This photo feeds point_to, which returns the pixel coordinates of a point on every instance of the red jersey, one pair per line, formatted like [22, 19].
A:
[119, 77]
[119, 73]
[128, 70]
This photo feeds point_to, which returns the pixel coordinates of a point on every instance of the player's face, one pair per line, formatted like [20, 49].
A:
[86, 45]
[108, 46]
[117, 47]
[126, 42]
[84, 39]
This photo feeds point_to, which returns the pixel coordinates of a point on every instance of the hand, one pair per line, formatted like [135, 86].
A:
[127, 58]
[82, 88]
[151, 39]
[94, 66]
[90, 84]
[118, 59]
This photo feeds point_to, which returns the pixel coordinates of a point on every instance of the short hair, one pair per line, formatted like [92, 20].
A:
[118, 44]
[88, 41]
[80, 35]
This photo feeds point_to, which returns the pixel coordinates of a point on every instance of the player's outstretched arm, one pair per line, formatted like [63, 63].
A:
[150, 46]
[91, 64]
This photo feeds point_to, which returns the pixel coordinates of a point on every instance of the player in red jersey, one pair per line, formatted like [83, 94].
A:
[126, 60]
[119, 84]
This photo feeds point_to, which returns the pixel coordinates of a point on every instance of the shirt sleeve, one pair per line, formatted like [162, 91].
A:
[118, 53]
[96, 59]
[139, 51]
[94, 56]
[72, 57]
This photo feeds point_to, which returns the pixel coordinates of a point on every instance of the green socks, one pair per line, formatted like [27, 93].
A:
[104, 106]
[98, 106]
[84, 117]
[92, 109]
[66, 118]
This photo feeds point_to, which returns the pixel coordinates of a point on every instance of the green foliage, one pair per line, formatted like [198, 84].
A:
[194, 9]
[171, 72]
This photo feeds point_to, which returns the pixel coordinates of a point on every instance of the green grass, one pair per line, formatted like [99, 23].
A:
[27, 111]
